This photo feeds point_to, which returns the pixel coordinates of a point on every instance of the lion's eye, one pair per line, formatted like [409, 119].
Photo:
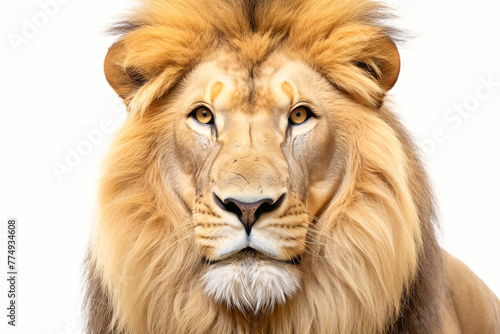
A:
[203, 115]
[299, 115]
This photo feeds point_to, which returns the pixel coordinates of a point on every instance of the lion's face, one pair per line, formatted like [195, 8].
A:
[255, 143]
[259, 171]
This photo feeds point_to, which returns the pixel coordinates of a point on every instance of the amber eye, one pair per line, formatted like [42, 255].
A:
[203, 115]
[299, 115]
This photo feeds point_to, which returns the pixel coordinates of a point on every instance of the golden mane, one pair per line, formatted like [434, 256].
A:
[382, 266]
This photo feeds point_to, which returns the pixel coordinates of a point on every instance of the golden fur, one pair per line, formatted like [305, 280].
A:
[358, 212]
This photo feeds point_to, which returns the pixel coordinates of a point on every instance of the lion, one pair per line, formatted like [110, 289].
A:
[262, 184]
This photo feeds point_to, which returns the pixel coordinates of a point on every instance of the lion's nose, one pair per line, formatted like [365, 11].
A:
[248, 213]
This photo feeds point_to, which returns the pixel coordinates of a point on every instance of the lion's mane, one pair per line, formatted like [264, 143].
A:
[374, 265]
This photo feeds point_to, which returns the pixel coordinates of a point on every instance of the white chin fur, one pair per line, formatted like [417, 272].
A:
[251, 283]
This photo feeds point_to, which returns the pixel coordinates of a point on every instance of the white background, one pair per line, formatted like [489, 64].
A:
[53, 91]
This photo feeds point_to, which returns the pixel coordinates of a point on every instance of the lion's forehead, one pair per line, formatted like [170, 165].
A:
[272, 85]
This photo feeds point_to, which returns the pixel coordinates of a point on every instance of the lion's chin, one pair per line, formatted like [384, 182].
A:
[251, 282]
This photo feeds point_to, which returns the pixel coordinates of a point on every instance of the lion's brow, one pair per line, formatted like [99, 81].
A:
[215, 90]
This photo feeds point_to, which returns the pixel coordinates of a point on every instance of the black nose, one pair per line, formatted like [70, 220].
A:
[248, 213]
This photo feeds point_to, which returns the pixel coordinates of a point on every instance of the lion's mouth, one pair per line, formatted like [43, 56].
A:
[249, 252]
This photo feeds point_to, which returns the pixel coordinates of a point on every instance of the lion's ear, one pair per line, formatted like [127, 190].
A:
[124, 80]
[390, 65]
[384, 66]
[361, 61]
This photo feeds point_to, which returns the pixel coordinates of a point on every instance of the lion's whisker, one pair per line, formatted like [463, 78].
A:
[180, 231]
